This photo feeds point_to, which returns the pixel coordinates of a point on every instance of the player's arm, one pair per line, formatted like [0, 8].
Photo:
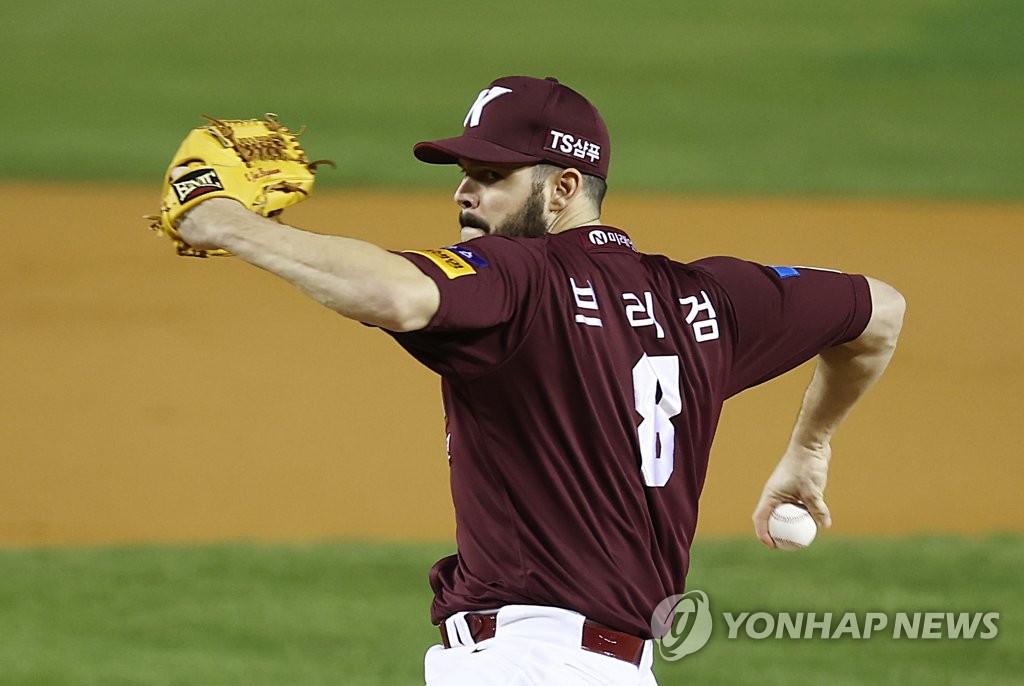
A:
[843, 374]
[354, 278]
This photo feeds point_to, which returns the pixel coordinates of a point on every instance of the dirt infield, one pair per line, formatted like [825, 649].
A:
[147, 397]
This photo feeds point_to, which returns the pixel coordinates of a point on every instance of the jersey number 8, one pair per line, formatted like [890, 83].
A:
[658, 399]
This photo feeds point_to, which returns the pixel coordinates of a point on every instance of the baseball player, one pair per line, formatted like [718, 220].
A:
[582, 381]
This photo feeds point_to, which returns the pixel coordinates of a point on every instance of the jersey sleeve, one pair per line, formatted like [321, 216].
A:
[780, 317]
[488, 295]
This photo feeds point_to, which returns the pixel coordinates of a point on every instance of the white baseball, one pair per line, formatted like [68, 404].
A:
[791, 526]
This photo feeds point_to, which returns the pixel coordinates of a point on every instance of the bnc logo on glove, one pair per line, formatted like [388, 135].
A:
[196, 183]
[684, 624]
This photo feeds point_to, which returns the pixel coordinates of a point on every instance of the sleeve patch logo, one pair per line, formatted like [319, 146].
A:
[450, 263]
[196, 183]
[468, 255]
[785, 272]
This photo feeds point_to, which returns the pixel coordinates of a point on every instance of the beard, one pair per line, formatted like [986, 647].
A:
[528, 222]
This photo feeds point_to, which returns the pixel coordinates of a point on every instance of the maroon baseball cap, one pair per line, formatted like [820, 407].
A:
[523, 120]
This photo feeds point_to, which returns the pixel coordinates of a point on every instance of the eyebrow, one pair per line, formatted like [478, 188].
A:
[503, 169]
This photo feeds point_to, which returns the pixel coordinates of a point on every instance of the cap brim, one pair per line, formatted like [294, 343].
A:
[450, 150]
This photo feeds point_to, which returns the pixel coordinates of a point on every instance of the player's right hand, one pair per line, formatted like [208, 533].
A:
[800, 477]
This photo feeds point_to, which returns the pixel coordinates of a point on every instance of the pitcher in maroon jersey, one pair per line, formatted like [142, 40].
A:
[582, 382]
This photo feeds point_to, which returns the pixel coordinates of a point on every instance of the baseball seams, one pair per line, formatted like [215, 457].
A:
[784, 543]
[789, 519]
[791, 526]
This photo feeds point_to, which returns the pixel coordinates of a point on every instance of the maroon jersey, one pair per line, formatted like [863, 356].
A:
[582, 384]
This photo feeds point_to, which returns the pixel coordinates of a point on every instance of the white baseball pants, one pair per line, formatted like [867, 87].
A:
[532, 646]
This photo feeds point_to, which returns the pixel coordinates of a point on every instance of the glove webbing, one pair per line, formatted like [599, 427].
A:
[253, 148]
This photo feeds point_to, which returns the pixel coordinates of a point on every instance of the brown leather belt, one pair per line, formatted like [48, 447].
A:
[596, 637]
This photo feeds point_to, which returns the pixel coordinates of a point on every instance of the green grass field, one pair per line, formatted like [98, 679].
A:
[334, 613]
[879, 97]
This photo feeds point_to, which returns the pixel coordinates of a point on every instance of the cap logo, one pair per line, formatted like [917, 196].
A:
[482, 100]
[577, 147]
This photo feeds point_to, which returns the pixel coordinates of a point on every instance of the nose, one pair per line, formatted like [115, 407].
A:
[465, 194]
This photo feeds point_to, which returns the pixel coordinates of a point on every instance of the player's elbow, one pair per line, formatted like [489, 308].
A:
[893, 308]
[888, 308]
[403, 322]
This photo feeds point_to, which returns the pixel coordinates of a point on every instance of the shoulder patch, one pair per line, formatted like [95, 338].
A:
[785, 272]
[451, 263]
[474, 258]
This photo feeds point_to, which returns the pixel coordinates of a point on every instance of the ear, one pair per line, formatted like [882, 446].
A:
[566, 185]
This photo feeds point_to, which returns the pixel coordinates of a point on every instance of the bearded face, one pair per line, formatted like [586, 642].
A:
[527, 222]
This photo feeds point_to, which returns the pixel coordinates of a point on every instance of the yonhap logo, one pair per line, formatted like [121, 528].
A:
[684, 624]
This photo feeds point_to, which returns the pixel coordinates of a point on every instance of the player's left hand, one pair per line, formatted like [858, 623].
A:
[256, 162]
[799, 477]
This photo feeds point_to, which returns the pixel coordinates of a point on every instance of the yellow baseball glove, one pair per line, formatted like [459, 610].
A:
[257, 162]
